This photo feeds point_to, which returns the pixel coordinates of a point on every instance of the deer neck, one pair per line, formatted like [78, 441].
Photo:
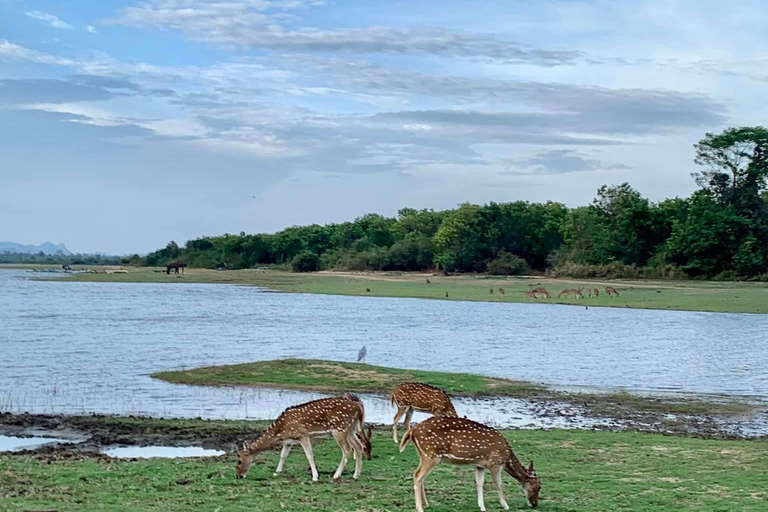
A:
[515, 468]
[264, 442]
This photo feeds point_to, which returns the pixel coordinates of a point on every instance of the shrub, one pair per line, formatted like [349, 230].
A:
[305, 261]
[508, 264]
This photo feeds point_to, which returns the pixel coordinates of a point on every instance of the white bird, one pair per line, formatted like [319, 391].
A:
[361, 354]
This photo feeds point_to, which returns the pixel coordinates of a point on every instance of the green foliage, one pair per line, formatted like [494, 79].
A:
[305, 261]
[508, 264]
[721, 230]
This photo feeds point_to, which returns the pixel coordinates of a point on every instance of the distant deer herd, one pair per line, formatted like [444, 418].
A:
[444, 436]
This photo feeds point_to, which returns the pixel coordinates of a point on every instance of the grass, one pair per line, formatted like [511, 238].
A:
[337, 377]
[733, 297]
[579, 470]
[333, 376]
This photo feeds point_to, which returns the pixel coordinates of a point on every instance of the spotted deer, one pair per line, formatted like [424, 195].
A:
[463, 441]
[530, 295]
[610, 290]
[414, 396]
[542, 291]
[342, 417]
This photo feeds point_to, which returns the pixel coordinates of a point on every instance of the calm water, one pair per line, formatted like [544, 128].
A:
[90, 347]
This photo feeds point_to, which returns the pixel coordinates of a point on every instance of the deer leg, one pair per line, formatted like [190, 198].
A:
[357, 446]
[283, 455]
[306, 443]
[425, 467]
[496, 475]
[341, 438]
[479, 479]
[398, 415]
[408, 416]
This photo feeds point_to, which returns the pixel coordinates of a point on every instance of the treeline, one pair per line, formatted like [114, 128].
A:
[720, 231]
[59, 259]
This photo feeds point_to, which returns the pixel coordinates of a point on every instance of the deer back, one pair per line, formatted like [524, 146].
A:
[460, 441]
[317, 417]
[423, 397]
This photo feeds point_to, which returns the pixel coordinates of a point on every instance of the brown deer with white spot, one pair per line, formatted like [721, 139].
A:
[342, 417]
[414, 396]
[463, 441]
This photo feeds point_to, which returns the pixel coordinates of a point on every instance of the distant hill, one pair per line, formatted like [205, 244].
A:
[47, 248]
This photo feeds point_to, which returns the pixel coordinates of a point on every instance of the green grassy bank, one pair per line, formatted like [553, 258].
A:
[338, 377]
[735, 297]
[580, 471]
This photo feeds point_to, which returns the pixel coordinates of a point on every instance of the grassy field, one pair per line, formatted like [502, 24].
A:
[338, 377]
[579, 470]
[675, 295]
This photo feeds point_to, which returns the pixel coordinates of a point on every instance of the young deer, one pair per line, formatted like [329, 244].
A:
[342, 417]
[414, 396]
[463, 441]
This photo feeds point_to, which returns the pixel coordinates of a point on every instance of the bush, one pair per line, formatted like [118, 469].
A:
[305, 261]
[508, 264]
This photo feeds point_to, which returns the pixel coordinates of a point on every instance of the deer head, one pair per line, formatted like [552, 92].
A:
[244, 461]
[531, 486]
[365, 439]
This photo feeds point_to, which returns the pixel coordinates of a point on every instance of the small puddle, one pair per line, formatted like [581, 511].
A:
[163, 452]
[14, 443]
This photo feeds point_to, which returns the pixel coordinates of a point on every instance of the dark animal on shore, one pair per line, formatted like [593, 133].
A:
[446, 295]
[428, 281]
[175, 265]
[491, 291]
[367, 290]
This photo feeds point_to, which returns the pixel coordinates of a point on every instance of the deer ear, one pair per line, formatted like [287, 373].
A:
[370, 433]
[530, 467]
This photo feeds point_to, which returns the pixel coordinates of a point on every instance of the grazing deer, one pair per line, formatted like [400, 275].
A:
[446, 295]
[597, 292]
[342, 417]
[578, 293]
[428, 281]
[610, 290]
[502, 291]
[567, 291]
[463, 441]
[541, 290]
[414, 396]
[589, 292]
[491, 291]
[367, 290]
[530, 295]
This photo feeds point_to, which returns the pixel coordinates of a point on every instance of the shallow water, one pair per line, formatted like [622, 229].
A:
[14, 443]
[164, 452]
[68, 347]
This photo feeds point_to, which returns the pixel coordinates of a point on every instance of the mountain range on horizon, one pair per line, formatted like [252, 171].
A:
[46, 247]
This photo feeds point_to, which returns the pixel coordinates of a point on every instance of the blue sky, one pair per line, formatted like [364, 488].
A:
[125, 124]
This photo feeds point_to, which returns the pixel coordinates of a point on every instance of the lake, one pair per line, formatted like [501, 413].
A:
[69, 347]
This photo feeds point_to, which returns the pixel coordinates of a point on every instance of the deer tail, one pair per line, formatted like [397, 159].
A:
[406, 439]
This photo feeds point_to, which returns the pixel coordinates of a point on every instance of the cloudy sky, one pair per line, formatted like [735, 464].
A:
[125, 124]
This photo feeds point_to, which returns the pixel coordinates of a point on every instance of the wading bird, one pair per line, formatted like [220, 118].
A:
[361, 354]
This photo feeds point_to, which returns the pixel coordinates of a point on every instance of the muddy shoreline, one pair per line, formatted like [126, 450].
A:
[91, 433]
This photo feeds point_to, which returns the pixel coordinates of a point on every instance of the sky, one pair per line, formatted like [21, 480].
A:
[125, 124]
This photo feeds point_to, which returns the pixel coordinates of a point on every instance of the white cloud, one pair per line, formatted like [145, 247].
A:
[91, 29]
[49, 19]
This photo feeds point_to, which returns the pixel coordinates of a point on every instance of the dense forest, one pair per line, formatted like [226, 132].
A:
[720, 231]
